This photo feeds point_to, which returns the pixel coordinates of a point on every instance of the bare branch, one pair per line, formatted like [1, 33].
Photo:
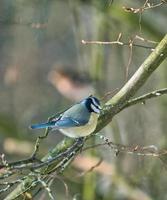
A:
[143, 98]
[110, 109]
[150, 150]
[118, 42]
[118, 101]
[147, 5]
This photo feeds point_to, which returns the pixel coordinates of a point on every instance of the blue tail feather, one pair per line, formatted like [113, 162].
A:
[66, 122]
[43, 125]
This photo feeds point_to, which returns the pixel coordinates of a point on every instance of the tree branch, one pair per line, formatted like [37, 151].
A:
[145, 97]
[115, 105]
[110, 109]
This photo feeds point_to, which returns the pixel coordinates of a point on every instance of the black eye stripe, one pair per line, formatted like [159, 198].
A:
[95, 102]
[97, 106]
[92, 104]
[94, 108]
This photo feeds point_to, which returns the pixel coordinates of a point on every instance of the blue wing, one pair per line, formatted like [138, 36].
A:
[61, 123]
[75, 116]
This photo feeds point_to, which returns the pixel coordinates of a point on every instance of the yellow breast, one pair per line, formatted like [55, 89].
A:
[82, 131]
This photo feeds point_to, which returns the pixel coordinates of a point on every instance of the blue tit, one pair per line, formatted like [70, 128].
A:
[80, 120]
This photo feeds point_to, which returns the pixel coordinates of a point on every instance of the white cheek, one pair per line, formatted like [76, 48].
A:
[94, 102]
[96, 110]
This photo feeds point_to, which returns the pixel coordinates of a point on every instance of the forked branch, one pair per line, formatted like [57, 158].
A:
[120, 101]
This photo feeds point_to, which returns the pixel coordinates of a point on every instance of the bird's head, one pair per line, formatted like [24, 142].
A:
[92, 104]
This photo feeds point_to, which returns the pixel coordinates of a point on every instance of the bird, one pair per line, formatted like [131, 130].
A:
[80, 120]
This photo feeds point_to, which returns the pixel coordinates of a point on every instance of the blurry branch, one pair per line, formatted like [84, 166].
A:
[33, 25]
[130, 44]
[129, 59]
[87, 163]
[33, 165]
[150, 150]
[3, 160]
[53, 162]
[90, 165]
[118, 101]
[147, 5]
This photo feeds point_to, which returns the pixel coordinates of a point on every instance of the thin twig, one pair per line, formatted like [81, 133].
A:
[129, 59]
[115, 42]
[91, 169]
[119, 42]
[42, 137]
[110, 93]
[6, 174]
[10, 184]
[26, 164]
[144, 39]
[146, 6]
[150, 150]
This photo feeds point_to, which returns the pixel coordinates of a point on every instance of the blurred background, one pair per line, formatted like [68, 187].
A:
[44, 68]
